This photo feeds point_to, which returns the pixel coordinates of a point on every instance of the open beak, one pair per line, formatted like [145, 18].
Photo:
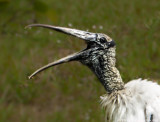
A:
[87, 36]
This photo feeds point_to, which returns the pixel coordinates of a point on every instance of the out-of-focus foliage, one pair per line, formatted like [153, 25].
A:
[70, 92]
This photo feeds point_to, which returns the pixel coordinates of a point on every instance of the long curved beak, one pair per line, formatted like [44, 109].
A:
[87, 36]
[72, 57]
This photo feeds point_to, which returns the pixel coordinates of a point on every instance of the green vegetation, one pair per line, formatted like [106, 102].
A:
[70, 92]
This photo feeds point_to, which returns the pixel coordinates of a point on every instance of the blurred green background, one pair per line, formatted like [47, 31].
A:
[70, 92]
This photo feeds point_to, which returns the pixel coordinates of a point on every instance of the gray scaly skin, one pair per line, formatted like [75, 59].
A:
[102, 63]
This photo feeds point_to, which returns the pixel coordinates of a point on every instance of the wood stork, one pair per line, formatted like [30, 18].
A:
[136, 101]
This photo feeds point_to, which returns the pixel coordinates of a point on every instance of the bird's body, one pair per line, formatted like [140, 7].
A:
[139, 101]
[136, 101]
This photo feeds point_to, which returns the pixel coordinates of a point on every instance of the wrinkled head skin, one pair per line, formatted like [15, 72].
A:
[99, 48]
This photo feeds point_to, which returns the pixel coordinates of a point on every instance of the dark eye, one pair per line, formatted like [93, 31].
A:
[103, 40]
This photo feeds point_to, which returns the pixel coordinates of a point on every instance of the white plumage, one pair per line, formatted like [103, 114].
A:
[139, 101]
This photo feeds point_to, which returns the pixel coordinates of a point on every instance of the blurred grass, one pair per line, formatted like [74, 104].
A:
[62, 93]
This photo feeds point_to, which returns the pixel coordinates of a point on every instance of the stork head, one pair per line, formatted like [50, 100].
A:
[98, 46]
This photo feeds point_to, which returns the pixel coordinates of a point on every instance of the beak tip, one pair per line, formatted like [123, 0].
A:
[30, 77]
[31, 25]
[28, 27]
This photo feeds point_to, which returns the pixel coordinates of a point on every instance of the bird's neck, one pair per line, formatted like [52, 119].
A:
[103, 66]
[110, 76]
